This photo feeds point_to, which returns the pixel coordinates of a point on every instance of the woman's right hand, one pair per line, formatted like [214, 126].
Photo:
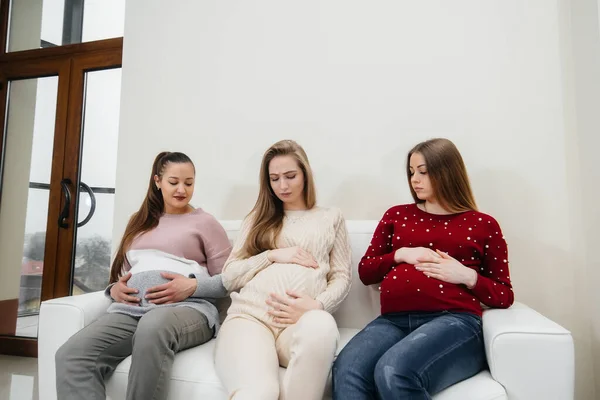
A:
[414, 255]
[292, 255]
[120, 292]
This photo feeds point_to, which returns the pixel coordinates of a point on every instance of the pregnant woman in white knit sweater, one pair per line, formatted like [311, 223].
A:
[291, 266]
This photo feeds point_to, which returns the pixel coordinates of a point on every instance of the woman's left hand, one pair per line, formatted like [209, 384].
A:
[288, 309]
[178, 289]
[447, 269]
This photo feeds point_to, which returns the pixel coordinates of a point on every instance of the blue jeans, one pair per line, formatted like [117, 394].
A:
[404, 356]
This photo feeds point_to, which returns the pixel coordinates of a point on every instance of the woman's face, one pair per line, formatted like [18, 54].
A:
[287, 181]
[176, 186]
[419, 178]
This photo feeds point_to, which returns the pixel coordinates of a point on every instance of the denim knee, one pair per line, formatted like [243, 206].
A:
[392, 374]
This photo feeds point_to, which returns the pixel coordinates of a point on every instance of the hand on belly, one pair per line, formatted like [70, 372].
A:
[287, 309]
[163, 287]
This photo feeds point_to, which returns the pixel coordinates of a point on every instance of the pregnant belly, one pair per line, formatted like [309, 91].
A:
[277, 278]
[145, 280]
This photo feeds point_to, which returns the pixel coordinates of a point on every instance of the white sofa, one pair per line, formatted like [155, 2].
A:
[530, 357]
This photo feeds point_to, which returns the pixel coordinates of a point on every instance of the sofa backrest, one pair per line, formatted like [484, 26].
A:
[362, 304]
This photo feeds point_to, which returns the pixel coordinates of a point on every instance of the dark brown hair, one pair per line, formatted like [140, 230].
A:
[146, 218]
[267, 214]
[447, 173]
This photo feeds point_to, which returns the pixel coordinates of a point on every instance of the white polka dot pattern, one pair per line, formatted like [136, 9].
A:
[473, 238]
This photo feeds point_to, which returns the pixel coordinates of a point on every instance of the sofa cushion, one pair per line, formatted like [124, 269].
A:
[194, 376]
[479, 387]
[194, 372]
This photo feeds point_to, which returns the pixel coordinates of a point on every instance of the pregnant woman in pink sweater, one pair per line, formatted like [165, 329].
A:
[289, 270]
[164, 281]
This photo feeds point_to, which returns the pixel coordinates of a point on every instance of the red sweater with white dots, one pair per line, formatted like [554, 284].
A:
[471, 237]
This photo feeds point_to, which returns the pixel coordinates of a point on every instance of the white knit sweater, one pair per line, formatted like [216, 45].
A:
[320, 231]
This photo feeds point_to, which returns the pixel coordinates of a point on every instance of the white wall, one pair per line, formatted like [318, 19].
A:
[23, 110]
[15, 184]
[103, 19]
[35, 20]
[358, 83]
[585, 23]
[25, 25]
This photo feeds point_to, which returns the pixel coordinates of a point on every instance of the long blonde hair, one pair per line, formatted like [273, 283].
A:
[267, 214]
[447, 173]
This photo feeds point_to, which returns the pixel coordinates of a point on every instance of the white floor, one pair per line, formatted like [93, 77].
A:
[18, 378]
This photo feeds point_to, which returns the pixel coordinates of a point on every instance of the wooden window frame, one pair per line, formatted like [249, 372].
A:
[51, 61]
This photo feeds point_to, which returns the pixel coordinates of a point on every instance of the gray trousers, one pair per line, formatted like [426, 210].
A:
[92, 354]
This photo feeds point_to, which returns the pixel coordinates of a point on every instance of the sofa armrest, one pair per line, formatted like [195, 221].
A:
[60, 319]
[530, 355]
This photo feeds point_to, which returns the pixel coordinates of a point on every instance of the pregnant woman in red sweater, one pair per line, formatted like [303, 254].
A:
[435, 261]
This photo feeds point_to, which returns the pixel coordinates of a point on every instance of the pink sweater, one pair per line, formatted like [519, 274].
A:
[196, 236]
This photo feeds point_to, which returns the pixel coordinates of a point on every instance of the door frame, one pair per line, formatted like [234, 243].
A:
[69, 63]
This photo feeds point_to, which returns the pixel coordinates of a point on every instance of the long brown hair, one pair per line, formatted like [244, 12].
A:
[267, 214]
[146, 218]
[447, 173]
